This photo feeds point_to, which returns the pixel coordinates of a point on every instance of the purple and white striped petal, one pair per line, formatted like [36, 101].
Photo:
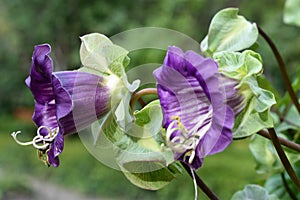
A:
[65, 102]
[193, 102]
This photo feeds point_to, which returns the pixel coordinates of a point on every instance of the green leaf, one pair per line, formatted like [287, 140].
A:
[229, 32]
[275, 185]
[291, 14]
[154, 180]
[144, 141]
[245, 68]
[139, 150]
[286, 99]
[266, 157]
[292, 121]
[253, 192]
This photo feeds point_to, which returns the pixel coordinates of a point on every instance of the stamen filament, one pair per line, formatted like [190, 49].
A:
[46, 140]
[195, 183]
[183, 142]
[14, 135]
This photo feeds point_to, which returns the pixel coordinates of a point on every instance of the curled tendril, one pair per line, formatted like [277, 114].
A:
[40, 142]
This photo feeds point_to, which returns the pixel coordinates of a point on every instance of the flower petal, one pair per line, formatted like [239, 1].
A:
[55, 150]
[189, 87]
[175, 59]
[90, 97]
[40, 78]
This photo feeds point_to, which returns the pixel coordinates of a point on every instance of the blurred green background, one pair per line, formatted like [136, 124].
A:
[24, 24]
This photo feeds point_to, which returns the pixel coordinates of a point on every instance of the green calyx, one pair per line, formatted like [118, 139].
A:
[245, 68]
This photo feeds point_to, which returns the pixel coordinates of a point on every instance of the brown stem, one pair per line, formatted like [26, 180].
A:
[282, 68]
[200, 183]
[282, 141]
[137, 95]
[284, 160]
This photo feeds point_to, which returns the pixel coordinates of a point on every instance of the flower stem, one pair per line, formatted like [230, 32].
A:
[282, 68]
[137, 95]
[287, 165]
[200, 183]
[282, 141]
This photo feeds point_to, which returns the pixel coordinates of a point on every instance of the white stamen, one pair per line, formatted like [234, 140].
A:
[14, 135]
[45, 140]
[192, 156]
[195, 183]
[184, 141]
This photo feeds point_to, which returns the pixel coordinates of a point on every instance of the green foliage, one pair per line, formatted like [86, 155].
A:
[265, 155]
[229, 32]
[267, 160]
[291, 12]
[12, 186]
[98, 53]
[62, 22]
[138, 150]
[153, 180]
[277, 184]
[254, 192]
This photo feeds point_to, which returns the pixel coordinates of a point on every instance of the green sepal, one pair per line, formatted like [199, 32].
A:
[98, 53]
[238, 65]
[229, 31]
[245, 68]
[100, 56]
[250, 121]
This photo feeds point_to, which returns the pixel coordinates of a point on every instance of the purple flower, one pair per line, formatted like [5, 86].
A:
[197, 119]
[65, 102]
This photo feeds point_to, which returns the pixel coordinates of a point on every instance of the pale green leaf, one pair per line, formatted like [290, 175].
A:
[229, 31]
[291, 14]
[253, 192]
[275, 185]
[154, 180]
[144, 141]
[292, 120]
[139, 150]
[264, 155]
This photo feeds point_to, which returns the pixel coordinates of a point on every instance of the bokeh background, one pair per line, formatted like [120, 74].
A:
[24, 24]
